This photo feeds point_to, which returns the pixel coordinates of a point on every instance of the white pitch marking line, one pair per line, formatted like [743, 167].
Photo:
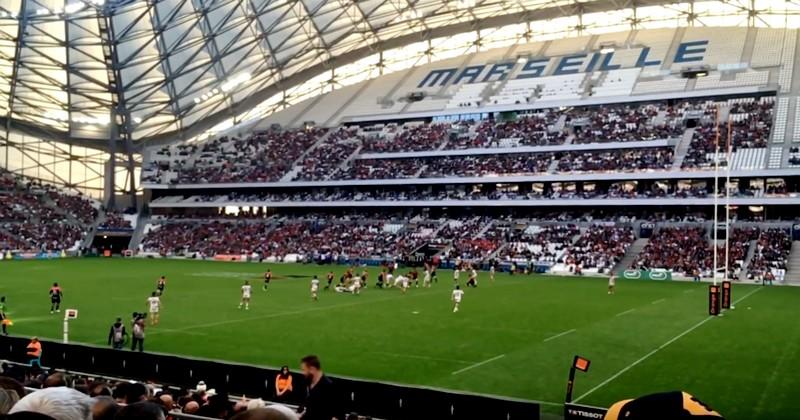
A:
[421, 357]
[659, 348]
[656, 302]
[559, 335]
[473, 366]
[626, 312]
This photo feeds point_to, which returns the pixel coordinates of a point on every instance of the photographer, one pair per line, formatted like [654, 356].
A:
[138, 332]
[117, 335]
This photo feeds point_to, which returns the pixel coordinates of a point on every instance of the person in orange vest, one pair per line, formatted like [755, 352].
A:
[34, 352]
[283, 384]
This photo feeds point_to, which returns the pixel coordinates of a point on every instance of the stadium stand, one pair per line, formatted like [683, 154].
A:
[39, 218]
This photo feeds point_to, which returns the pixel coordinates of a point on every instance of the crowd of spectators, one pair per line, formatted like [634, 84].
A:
[616, 160]
[311, 155]
[264, 156]
[409, 138]
[519, 164]
[326, 157]
[622, 123]
[600, 247]
[42, 394]
[115, 221]
[77, 205]
[379, 169]
[738, 244]
[684, 250]
[207, 239]
[36, 217]
[466, 239]
[422, 193]
[538, 244]
[771, 255]
[538, 129]
[750, 122]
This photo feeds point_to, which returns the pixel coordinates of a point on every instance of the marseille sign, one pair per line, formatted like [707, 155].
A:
[687, 52]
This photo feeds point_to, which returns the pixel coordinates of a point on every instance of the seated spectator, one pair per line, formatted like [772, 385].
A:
[60, 403]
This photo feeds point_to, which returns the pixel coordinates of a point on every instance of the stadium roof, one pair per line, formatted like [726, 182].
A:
[82, 71]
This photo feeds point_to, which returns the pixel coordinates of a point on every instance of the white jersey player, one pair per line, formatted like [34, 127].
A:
[491, 272]
[458, 294]
[354, 287]
[612, 284]
[315, 288]
[247, 293]
[402, 282]
[426, 280]
[154, 307]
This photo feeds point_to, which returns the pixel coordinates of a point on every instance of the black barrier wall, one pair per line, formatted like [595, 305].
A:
[385, 401]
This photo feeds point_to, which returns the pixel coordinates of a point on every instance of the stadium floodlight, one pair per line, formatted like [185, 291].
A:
[606, 50]
[137, 120]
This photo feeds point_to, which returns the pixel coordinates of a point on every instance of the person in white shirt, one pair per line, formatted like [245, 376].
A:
[458, 294]
[247, 292]
[154, 304]
[355, 287]
[491, 272]
[426, 280]
[456, 274]
[612, 284]
[315, 288]
[402, 282]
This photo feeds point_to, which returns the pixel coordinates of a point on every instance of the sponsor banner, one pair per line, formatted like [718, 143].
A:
[583, 412]
[230, 257]
[714, 307]
[726, 294]
[658, 274]
[34, 255]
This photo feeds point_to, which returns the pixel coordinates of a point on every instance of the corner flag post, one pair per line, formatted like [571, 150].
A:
[69, 314]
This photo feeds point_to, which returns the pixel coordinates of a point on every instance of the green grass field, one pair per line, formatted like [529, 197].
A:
[515, 337]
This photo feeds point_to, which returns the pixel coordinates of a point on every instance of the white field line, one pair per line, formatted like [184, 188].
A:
[473, 366]
[656, 350]
[656, 302]
[559, 335]
[420, 357]
[626, 312]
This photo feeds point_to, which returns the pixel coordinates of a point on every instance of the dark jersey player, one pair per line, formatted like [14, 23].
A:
[267, 279]
[330, 277]
[161, 285]
[55, 298]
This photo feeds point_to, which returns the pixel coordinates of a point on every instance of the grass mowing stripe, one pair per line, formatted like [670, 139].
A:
[659, 348]
[559, 335]
[473, 366]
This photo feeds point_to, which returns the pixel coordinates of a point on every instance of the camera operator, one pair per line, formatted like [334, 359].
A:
[137, 336]
[117, 335]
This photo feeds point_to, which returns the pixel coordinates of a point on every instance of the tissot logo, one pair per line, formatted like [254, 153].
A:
[584, 414]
